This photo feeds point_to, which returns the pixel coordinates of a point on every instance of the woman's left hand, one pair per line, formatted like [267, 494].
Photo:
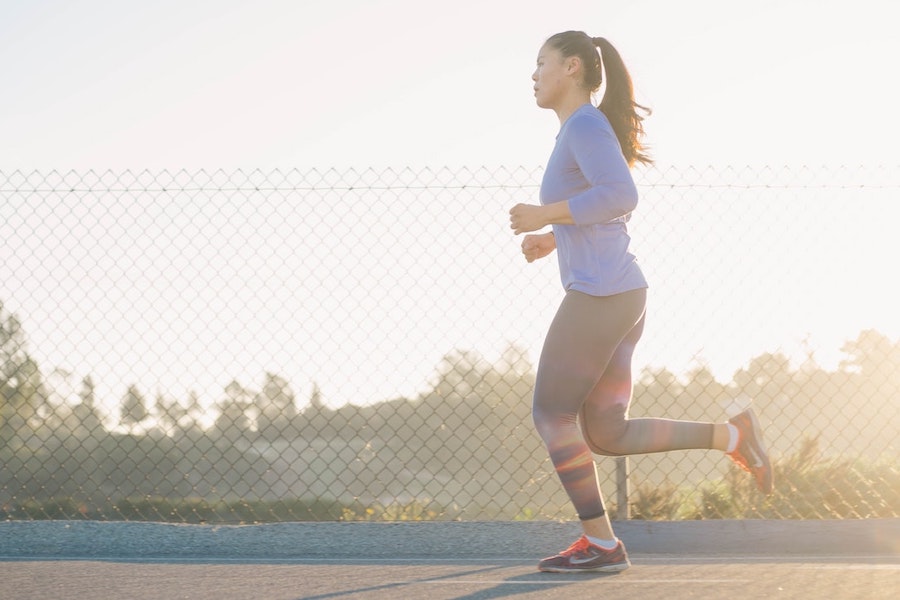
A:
[526, 217]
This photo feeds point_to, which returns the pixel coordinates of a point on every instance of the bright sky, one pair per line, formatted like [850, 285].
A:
[279, 83]
[191, 84]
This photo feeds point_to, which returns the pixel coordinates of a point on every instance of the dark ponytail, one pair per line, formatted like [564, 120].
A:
[618, 99]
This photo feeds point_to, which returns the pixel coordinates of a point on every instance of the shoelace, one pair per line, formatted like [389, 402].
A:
[580, 545]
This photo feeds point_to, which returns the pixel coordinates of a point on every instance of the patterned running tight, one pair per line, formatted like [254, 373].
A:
[583, 390]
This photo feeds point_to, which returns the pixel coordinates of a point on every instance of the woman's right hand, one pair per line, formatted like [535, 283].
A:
[537, 246]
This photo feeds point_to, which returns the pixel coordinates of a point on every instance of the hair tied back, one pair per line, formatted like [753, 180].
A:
[597, 41]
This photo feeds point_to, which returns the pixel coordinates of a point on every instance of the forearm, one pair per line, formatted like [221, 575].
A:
[557, 213]
[603, 203]
[531, 217]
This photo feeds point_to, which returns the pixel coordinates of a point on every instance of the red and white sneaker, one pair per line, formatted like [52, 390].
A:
[750, 453]
[583, 556]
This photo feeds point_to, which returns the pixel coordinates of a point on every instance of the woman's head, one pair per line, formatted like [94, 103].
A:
[577, 44]
[587, 59]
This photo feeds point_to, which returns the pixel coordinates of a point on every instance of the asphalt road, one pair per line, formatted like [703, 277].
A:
[434, 561]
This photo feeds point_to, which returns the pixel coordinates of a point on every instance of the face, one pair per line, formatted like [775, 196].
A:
[550, 77]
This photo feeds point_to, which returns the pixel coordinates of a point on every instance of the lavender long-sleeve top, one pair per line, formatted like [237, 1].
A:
[587, 168]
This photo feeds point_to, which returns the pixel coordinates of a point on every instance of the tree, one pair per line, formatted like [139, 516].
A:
[134, 407]
[194, 410]
[871, 354]
[169, 413]
[460, 373]
[22, 389]
[315, 400]
[86, 411]
[515, 378]
[86, 394]
[234, 420]
[515, 360]
[703, 396]
[188, 418]
[317, 418]
[276, 406]
[766, 378]
[655, 391]
[75, 422]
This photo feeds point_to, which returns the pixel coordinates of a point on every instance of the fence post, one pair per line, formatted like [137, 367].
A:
[623, 511]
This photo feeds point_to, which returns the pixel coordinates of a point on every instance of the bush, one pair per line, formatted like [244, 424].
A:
[807, 486]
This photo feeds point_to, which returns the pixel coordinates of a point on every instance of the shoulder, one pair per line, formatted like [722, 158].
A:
[588, 121]
[588, 128]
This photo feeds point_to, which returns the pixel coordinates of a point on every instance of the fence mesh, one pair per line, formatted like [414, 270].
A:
[360, 344]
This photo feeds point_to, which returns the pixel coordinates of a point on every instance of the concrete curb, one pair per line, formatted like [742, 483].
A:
[49, 540]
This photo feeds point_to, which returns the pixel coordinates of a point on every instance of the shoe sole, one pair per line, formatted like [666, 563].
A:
[615, 568]
[766, 467]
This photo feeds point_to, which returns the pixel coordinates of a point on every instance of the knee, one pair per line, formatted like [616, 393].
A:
[544, 422]
[552, 425]
[605, 429]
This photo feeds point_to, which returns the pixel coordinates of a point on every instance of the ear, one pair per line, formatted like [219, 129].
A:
[573, 65]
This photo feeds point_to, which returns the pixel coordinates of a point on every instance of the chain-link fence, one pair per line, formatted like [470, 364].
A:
[359, 344]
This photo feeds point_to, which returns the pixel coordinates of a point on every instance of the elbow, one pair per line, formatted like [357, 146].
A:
[630, 198]
[603, 205]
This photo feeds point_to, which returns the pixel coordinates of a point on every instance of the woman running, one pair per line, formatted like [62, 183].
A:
[583, 385]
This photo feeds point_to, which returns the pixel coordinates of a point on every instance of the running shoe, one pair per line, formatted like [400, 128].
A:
[750, 454]
[583, 556]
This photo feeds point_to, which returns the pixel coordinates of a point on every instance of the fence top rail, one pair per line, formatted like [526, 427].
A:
[407, 178]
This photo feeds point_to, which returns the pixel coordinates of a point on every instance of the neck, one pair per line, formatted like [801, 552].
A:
[570, 105]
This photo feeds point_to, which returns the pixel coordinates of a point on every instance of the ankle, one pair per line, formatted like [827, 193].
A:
[599, 528]
[606, 544]
[725, 437]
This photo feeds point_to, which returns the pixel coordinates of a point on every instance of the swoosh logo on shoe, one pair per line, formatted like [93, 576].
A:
[581, 561]
[757, 461]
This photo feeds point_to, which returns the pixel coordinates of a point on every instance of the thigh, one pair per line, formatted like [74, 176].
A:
[581, 342]
[603, 415]
[615, 385]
